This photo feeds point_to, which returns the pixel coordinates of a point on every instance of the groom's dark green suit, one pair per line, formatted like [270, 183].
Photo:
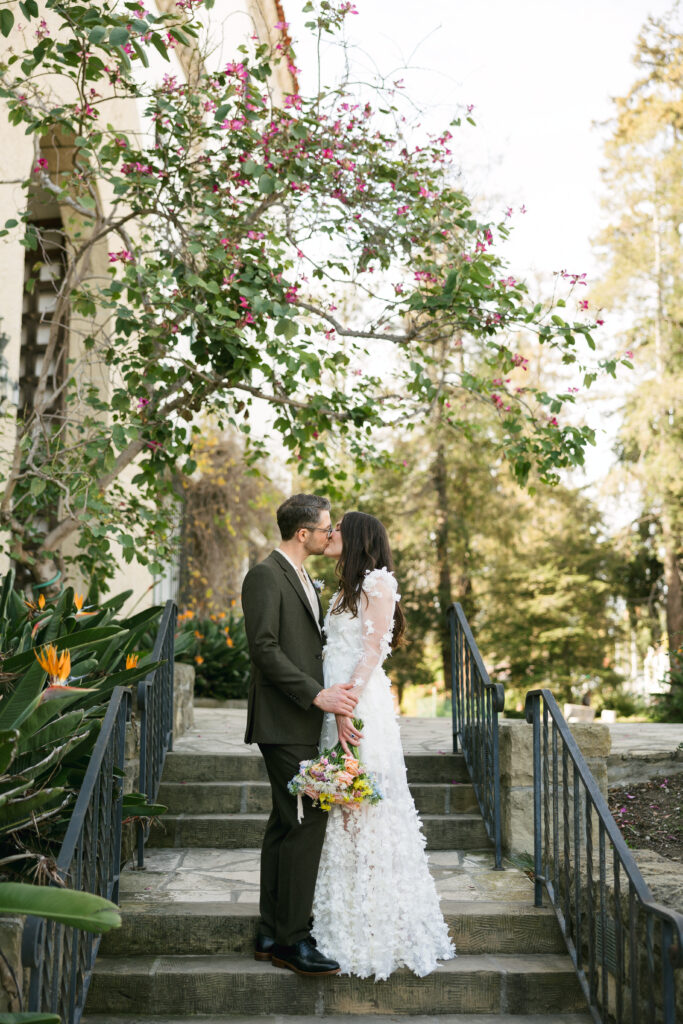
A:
[285, 644]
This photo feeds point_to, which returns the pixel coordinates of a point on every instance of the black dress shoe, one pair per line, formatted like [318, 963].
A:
[303, 958]
[264, 946]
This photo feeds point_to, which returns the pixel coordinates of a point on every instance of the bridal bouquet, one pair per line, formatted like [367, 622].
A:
[334, 778]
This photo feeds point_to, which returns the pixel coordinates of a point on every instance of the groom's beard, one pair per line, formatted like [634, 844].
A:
[319, 550]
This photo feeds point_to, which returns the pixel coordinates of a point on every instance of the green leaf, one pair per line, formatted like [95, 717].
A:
[18, 813]
[14, 709]
[6, 21]
[158, 44]
[31, 1018]
[29, 8]
[97, 34]
[8, 748]
[266, 184]
[82, 910]
[118, 36]
[135, 805]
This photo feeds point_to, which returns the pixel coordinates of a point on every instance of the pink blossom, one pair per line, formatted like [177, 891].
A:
[553, 421]
[508, 282]
[583, 304]
[281, 26]
[124, 255]
[519, 360]
[236, 68]
[628, 353]
[41, 165]
[401, 211]
[470, 108]
[136, 168]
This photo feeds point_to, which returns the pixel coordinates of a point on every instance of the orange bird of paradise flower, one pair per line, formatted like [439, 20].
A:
[58, 668]
[78, 601]
[132, 660]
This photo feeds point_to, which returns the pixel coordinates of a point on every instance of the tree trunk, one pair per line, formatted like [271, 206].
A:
[674, 592]
[444, 589]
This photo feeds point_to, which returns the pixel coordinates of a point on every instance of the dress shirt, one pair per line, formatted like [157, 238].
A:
[309, 589]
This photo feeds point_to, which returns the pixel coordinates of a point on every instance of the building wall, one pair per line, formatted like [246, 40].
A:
[229, 23]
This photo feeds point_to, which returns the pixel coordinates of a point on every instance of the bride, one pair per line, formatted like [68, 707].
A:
[375, 908]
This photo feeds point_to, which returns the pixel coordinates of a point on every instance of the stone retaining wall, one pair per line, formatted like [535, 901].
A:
[517, 776]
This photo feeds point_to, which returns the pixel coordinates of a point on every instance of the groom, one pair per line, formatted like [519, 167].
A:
[283, 620]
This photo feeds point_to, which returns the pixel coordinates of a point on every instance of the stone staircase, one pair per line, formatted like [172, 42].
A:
[189, 920]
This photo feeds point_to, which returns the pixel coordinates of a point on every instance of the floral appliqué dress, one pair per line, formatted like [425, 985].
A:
[376, 907]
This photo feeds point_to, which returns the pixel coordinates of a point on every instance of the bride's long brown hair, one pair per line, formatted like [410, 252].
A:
[365, 546]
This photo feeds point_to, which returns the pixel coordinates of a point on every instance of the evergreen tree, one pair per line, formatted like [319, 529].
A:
[643, 282]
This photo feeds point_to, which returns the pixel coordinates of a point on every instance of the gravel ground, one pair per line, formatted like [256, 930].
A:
[650, 815]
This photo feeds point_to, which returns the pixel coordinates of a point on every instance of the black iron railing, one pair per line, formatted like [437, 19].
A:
[155, 704]
[476, 702]
[61, 958]
[625, 946]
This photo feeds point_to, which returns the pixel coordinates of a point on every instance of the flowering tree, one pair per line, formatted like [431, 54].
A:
[235, 233]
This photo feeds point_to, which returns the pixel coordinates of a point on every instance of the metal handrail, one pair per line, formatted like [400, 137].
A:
[155, 704]
[563, 864]
[475, 704]
[61, 958]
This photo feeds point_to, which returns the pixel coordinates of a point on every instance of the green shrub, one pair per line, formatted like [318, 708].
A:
[217, 647]
[60, 660]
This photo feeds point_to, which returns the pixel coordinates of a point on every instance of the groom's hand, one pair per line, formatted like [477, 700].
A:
[347, 732]
[338, 699]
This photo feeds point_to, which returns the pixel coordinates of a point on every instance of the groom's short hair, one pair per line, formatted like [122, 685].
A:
[299, 511]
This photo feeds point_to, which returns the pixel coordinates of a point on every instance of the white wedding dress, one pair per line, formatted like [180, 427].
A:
[375, 908]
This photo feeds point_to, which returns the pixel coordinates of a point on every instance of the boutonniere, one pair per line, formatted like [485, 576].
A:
[319, 585]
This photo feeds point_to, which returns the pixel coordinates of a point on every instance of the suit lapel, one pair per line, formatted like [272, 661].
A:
[295, 582]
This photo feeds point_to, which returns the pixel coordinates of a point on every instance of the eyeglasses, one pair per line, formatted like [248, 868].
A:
[320, 529]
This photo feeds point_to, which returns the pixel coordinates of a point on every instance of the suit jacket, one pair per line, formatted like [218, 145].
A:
[285, 645]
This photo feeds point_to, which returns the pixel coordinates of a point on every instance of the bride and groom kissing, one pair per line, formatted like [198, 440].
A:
[349, 889]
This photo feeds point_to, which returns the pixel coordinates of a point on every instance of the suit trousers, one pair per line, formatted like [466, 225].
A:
[291, 850]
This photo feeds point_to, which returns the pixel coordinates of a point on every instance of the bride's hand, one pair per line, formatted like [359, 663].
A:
[347, 733]
[339, 699]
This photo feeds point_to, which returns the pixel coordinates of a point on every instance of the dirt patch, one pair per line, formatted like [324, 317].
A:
[650, 815]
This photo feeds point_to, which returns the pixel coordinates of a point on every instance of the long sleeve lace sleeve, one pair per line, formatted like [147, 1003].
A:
[377, 623]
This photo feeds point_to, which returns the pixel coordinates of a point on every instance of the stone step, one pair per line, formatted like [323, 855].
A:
[445, 1018]
[223, 927]
[254, 797]
[190, 985]
[190, 766]
[231, 831]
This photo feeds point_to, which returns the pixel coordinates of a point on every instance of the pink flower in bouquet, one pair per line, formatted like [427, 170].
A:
[312, 792]
[351, 766]
[344, 779]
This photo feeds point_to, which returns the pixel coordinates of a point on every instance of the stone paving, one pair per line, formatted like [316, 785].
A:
[220, 731]
[232, 876]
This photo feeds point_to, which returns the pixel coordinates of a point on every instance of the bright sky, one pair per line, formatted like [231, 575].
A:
[540, 74]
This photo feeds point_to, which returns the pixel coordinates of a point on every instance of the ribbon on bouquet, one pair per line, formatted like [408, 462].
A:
[299, 808]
